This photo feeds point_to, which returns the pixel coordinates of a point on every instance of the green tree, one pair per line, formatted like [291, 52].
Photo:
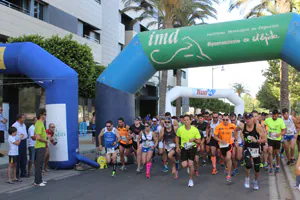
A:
[240, 89]
[267, 96]
[269, 7]
[212, 105]
[167, 13]
[77, 56]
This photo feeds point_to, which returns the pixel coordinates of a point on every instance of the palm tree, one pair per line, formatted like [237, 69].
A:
[240, 89]
[169, 13]
[267, 7]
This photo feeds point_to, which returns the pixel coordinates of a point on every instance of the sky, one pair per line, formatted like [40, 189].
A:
[249, 74]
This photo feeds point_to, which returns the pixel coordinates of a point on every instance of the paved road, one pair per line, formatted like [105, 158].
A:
[128, 185]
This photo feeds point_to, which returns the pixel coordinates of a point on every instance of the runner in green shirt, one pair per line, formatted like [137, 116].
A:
[276, 129]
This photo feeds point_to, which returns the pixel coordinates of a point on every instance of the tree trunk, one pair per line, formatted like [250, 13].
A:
[162, 93]
[178, 101]
[43, 98]
[284, 85]
[164, 81]
[284, 6]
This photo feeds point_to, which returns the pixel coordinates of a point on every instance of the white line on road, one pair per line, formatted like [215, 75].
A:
[20, 189]
[66, 176]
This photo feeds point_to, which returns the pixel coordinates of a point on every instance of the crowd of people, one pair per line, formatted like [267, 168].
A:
[36, 141]
[254, 140]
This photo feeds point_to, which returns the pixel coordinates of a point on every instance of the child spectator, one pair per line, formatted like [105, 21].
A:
[13, 154]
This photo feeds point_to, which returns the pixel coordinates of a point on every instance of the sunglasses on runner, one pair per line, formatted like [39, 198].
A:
[108, 126]
[147, 126]
[167, 122]
[225, 120]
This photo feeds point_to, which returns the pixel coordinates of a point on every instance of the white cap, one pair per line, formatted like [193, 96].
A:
[154, 119]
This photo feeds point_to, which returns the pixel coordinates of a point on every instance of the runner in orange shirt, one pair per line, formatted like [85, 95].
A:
[223, 134]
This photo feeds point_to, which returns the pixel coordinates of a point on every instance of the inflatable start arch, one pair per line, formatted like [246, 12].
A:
[256, 39]
[61, 84]
[205, 93]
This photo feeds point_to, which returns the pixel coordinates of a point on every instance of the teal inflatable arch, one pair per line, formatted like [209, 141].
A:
[263, 38]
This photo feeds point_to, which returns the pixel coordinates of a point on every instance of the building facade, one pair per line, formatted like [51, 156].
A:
[97, 23]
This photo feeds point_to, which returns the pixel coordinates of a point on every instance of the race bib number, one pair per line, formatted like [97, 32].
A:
[123, 138]
[170, 146]
[272, 135]
[111, 150]
[254, 152]
[189, 145]
[204, 133]
[146, 144]
[135, 138]
[289, 132]
[224, 145]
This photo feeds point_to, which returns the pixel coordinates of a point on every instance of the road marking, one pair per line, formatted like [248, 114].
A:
[66, 176]
[20, 189]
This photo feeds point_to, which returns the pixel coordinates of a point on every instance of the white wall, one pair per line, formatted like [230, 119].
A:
[87, 10]
[14, 23]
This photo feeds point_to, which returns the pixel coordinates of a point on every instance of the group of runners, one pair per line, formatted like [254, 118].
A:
[252, 141]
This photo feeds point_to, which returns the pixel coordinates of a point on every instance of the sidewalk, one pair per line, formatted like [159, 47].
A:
[290, 175]
[85, 146]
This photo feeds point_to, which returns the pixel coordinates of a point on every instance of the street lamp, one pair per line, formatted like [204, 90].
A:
[212, 74]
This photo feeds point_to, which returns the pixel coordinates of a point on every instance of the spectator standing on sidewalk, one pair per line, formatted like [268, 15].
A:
[94, 127]
[30, 144]
[13, 152]
[50, 134]
[3, 128]
[22, 158]
[40, 146]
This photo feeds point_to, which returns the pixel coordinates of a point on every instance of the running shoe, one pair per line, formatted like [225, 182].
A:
[288, 163]
[266, 166]
[191, 183]
[113, 174]
[203, 163]
[123, 168]
[221, 162]
[296, 187]
[255, 185]
[235, 172]
[138, 170]
[247, 182]
[196, 173]
[243, 163]
[147, 174]
[214, 171]
[228, 179]
[165, 169]
[271, 171]
[261, 165]
[292, 161]
[277, 169]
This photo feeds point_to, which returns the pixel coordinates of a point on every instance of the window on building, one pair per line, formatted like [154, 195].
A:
[121, 47]
[39, 10]
[88, 31]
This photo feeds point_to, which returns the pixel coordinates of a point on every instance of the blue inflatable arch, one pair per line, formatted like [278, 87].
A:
[61, 85]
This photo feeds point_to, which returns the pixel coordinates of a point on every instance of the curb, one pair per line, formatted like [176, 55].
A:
[290, 179]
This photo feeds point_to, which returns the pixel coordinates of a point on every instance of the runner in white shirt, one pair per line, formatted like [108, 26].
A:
[22, 160]
[289, 137]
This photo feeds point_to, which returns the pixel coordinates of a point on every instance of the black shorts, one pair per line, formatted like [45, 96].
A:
[298, 138]
[126, 146]
[134, 144]
[226, 149]
[276, 144]
[188, 154]
[2, 137]
[13, 159]
[213, 143]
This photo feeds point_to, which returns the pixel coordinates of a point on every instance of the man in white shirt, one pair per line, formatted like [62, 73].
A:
[22, 158]
[30, 144]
